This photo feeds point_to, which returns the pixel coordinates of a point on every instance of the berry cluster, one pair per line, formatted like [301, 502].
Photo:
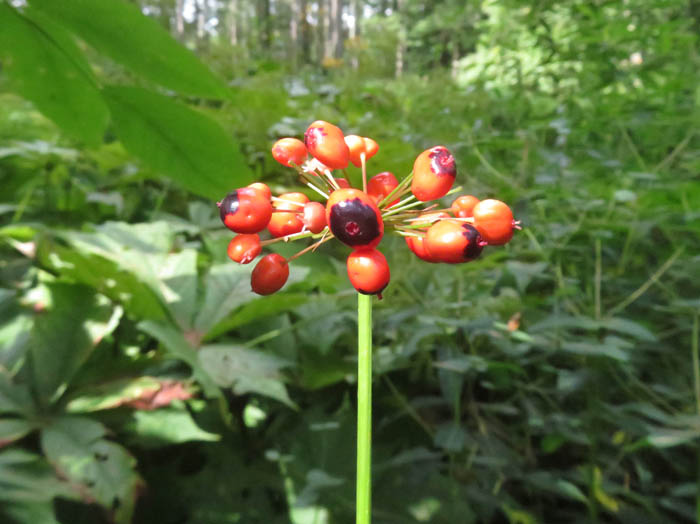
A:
[357, 217]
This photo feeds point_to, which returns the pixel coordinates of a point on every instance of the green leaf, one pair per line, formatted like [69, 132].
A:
[65, 334]
[119, 30]
[245, 370]
[13, 429]
[166, 426]
[177, 141]
[14, 398]
[27, 477]
[112, 394]
[45, 66]
[105, 470]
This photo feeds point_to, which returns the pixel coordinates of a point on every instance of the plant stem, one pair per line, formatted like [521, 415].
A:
[364, 409]
[696, 380]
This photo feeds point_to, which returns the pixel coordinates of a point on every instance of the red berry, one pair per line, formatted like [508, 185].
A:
[368, 271]
[244, 248]
[434, 172]
[417, 245]
[453, 242]
[288, 151]
[380, 185]
[269, 275]
[342, 182]
[245, 210]
[463, 206]
[314, 217]
[358, 145]
[326, 143]
[494, 220]
[354, 218]
[263, 188]
[286, 220]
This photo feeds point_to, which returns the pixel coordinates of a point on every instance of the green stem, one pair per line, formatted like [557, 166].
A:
[364, 408]
[696, 379]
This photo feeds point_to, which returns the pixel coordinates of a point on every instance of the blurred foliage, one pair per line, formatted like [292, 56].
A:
[554, 380]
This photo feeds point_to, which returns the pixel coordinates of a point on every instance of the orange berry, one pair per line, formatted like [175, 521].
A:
[453, 242]
[434, 172]
[368, 271]
[288, 151]
[244, 248]
[494, 220]
[380, 185]
[463, 206]
[326, 143]
[314, 217]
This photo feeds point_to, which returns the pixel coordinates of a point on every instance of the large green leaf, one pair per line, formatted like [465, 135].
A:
[45, 66]
[28, 478]
[65, 334]
[118, 29]
[166, 426]
[245, 370]
[177, 141]
[105, 470]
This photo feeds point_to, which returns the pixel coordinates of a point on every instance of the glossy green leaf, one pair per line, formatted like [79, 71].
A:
[119, 30]
[177, 141]
[45, 66]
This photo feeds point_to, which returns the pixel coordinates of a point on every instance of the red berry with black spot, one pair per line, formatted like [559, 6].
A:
[269, 275]
[326, 143]
[354, 218]
[368, 271]
[453, 242]
[244, 248]
[245, 210]
[434, 172]
[380, 185]
[289, 152]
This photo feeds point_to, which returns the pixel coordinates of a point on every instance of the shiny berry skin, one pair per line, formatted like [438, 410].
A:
[380, 185]
[434, 172]
[244, 248]
[245, 210]
[326, 143]
[342, 182]
[368, 271]
[314, 217]
[263, 188]
[417, 245]
[287, 218]
[354, 218]
[269, 275]
[289, 152]
[358, 145]
[494, 220]
[463, 206]
[453, 242]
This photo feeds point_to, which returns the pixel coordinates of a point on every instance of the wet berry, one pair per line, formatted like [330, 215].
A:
[463, 206]
[326, 143]
[289, 152]
[494, 220]
[434, 172]
[354, 218]
[245, 210]
[453, 242]
[314, 217]
[269, 275]
[380, 185]
[244, 248]
[368, 271]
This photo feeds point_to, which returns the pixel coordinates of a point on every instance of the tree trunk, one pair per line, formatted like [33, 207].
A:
[179, 19]
[233, 13]
[336, 32]
[305, 29]
[354, 33]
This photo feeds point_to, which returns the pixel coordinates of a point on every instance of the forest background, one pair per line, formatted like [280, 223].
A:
[553, 380]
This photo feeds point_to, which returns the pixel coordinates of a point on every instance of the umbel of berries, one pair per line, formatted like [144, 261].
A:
[327, 206]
